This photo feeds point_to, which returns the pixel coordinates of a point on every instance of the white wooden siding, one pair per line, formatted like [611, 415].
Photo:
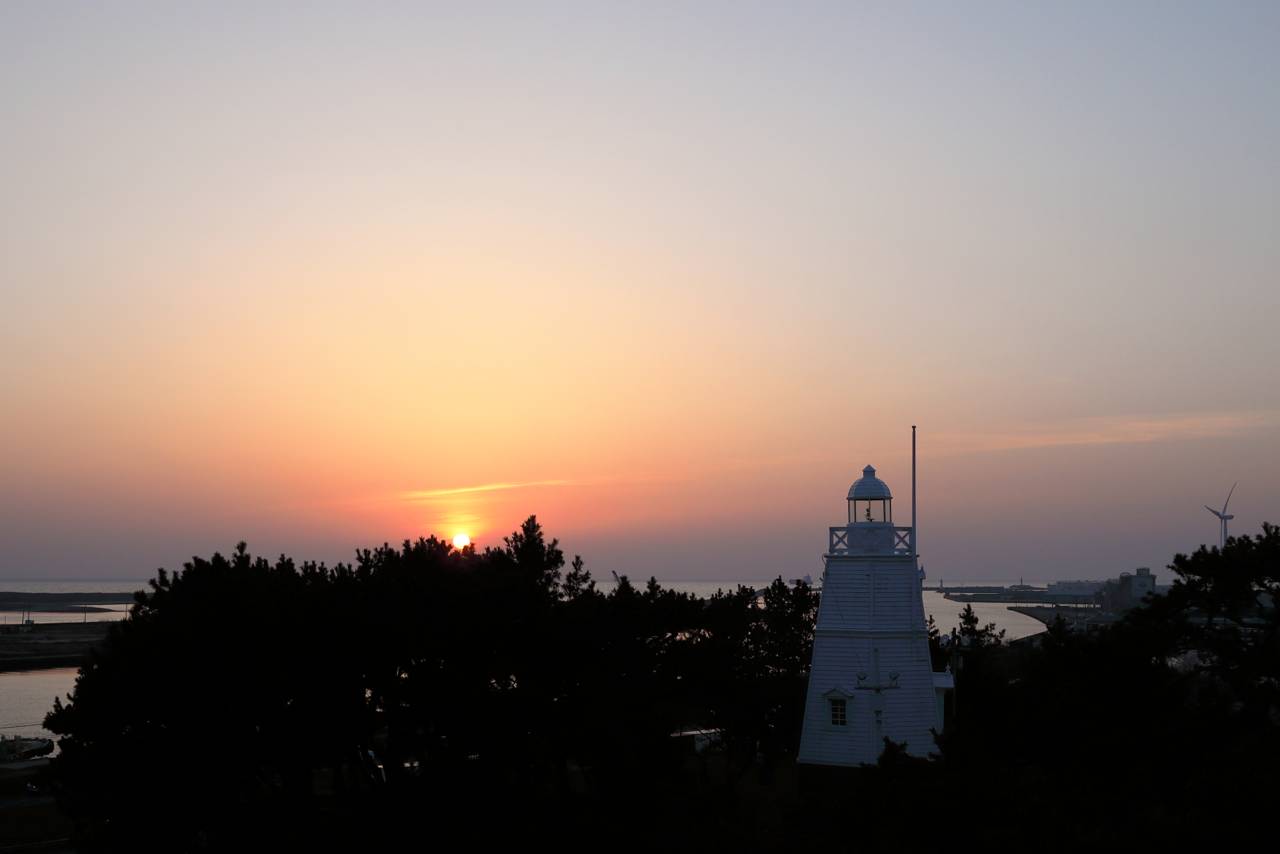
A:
[869, 604]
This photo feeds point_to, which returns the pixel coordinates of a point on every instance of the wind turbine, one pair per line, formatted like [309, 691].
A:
[1224, 516]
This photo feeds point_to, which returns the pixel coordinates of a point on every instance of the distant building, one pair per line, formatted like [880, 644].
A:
[871, 676]
[1127, 591]
[1074, 588]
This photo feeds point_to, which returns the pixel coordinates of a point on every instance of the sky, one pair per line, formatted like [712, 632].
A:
[321, 276]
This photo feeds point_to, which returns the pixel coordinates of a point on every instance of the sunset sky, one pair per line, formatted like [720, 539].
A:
[319, 276]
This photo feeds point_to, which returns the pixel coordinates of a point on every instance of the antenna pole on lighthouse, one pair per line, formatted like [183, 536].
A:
[915, 526]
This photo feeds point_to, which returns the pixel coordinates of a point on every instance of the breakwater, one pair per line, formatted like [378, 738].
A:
[1077, 619]
[48, 645]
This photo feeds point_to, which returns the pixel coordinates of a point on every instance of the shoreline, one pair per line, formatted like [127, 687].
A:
[1074, 617]
[63, 603]
[46, 646]
[1036, 612]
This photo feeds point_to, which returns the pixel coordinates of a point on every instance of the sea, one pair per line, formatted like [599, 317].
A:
[26, 696]
[99, 614]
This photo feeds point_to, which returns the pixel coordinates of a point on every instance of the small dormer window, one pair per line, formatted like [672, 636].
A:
[839, 711]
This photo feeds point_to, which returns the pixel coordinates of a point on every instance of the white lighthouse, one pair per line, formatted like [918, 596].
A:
[871, 677]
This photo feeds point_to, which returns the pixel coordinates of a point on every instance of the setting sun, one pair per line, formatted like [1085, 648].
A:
[461, 541]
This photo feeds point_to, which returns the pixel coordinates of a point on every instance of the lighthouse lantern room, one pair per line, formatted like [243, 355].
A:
[870, 499]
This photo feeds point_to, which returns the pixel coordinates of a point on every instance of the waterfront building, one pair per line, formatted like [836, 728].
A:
[1074, 588]
[1127, 591]
[871, 677]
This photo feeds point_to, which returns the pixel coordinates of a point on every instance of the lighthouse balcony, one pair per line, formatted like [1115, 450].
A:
[871, 539]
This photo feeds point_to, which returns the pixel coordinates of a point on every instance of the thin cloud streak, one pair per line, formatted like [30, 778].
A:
[1112, 430]
[434, 494]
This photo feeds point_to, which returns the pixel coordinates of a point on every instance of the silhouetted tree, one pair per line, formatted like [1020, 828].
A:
[248, 703]
[973, 635]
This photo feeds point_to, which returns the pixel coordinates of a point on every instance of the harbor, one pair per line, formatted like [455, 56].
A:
[1081, 605]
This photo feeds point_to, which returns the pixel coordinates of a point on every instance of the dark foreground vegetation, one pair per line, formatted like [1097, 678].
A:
[442, 696]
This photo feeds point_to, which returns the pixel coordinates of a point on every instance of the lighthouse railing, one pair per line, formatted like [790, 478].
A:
[871, 539]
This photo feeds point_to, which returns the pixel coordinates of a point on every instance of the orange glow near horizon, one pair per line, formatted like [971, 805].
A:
[321, 320]
[461, 541]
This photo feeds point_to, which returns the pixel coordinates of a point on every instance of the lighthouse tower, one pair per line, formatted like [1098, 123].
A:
[871, 677]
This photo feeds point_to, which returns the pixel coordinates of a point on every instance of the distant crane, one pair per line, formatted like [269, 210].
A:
[1224, 516]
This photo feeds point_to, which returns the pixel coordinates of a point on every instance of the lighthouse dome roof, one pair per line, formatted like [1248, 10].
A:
[869, 486]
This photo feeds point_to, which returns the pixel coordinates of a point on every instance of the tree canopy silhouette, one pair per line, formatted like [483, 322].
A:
[246, 697]
[249, 702]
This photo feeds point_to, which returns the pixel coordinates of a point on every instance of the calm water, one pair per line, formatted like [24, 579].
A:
[947, 615]
[114, 612]
[26, 696]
